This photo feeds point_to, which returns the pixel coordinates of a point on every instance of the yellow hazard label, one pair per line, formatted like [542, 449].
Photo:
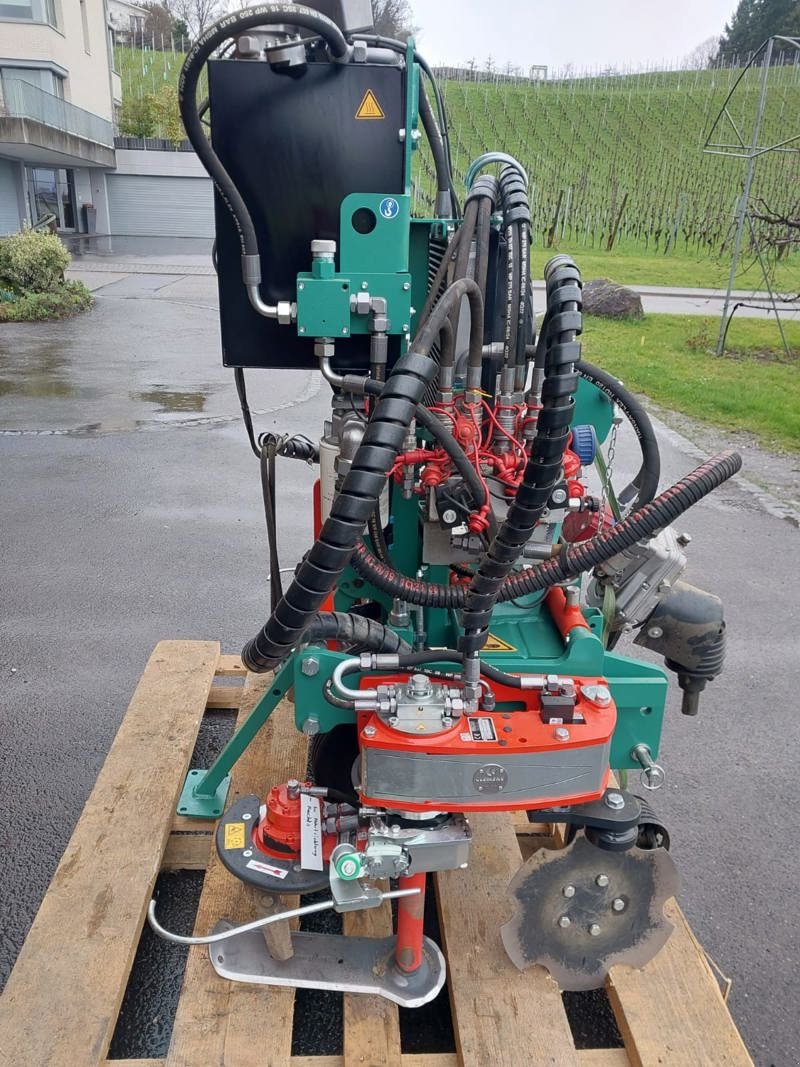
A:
[234, 835]
[369, 108]
[496, 644]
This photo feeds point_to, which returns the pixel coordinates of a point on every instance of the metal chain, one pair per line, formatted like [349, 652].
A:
[606, 480]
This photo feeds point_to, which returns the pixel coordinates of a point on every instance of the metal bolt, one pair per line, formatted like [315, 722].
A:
[618, 904]
[561, 733]
[345, 330]
[559, 496]
[601, 880]
[369, 731]
[406, 286]
[310, 666]
[564, 922]
[568, 891]
[684, 539]
[395, 829]
[293, 789]
[247, 816]
[594, 930]
[248, 853]
[310, 726]
[615, 801]
[365, 285]
[406, 327]
[301, 329]
[301, 286]
[449, 516]
[655, 631]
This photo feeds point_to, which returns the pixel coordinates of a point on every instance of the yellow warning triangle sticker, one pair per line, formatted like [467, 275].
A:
[496, 644]
[369, 108]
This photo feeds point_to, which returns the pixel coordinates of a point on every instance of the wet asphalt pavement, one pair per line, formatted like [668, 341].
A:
[131, 512]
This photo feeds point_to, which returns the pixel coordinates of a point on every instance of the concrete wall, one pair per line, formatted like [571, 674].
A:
[88, 84]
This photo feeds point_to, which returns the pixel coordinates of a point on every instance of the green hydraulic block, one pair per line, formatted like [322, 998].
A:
[204, 791]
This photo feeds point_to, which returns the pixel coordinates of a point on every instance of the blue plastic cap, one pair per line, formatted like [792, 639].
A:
[584, 443]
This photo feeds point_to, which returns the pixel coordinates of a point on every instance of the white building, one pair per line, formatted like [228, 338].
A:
[126, 20]
[57, 96]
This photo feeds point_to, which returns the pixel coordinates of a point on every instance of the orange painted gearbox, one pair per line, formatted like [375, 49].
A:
[501, 760]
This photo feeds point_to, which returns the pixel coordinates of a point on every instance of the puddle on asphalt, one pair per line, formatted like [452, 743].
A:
[41, 373]
[169, 402]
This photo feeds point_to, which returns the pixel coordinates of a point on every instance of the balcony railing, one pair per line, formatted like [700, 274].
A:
[21, 100]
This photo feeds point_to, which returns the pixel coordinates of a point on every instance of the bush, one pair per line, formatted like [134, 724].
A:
[33, 262]
[69, 299]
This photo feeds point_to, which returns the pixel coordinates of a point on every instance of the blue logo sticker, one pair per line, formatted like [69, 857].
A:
[389, 208]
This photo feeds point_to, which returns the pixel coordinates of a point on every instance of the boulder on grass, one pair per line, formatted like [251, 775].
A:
[613, 301]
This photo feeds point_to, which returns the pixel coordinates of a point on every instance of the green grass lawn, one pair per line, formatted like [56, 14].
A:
[635, 267]
[670, 358]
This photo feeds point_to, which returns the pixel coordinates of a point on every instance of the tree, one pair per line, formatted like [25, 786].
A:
[158, 25]
[393, 18]
[703, 55]
[754, 21]
[197, 15]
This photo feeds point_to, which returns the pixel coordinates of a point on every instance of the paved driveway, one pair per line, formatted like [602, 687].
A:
[131, 512]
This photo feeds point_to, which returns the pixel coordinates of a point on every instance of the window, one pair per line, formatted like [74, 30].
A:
[29, 10]
[52, 192]
[40, 77]
[85, 28]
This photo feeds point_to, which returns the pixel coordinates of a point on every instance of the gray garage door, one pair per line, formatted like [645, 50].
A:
[156, 206]
[9, 207]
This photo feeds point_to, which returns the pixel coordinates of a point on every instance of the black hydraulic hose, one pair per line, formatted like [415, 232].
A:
[516, 220]
[444, 200]
[645, 485]
[207, 42]
[317, 575]
[434, 291]
[544, 468]
[643, 523]
[375, 531]
[352, 629]
[435, 427]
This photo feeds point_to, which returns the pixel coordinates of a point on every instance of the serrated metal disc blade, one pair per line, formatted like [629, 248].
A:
[581, 909]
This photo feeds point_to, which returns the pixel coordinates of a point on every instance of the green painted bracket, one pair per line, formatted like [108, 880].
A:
[205, 791]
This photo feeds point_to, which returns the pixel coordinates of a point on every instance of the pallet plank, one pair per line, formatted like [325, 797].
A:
[371, 1024]
[230, 1023]
[61, 1002]
[672, 1010]
[187, 852]
[224, 697]
[501, 1016]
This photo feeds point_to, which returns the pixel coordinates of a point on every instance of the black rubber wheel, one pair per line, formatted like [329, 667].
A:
[331, 757]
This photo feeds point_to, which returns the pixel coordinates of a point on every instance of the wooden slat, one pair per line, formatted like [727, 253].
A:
[220, 1022]
[371, 1024]
[224, 697]
[183, 822]
[672, 1011]
[61, 1002]
[432, 1059]
[187, 852]
[603, 1057]
[230, 667]
[501, 1016]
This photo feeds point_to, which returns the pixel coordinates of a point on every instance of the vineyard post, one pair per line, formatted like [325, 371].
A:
[744, 199]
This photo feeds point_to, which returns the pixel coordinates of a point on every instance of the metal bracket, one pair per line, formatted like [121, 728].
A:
[205, 790]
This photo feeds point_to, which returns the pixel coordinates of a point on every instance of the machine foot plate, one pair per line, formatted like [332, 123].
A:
[330, 961]
[201, 807]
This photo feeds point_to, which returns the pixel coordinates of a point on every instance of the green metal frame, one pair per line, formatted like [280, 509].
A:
[392, 261]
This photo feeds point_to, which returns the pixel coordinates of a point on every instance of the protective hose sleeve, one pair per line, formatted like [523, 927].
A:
[645, 485]
[645, 522]
[318, 573]
[544, 468]
[353, 629]
[207, 42]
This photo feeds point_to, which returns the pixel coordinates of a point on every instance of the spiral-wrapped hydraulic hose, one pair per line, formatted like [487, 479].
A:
[329, 555]
[571, 562]
[545, 465]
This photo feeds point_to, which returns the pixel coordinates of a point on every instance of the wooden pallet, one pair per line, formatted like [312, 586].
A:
[62, 1000]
